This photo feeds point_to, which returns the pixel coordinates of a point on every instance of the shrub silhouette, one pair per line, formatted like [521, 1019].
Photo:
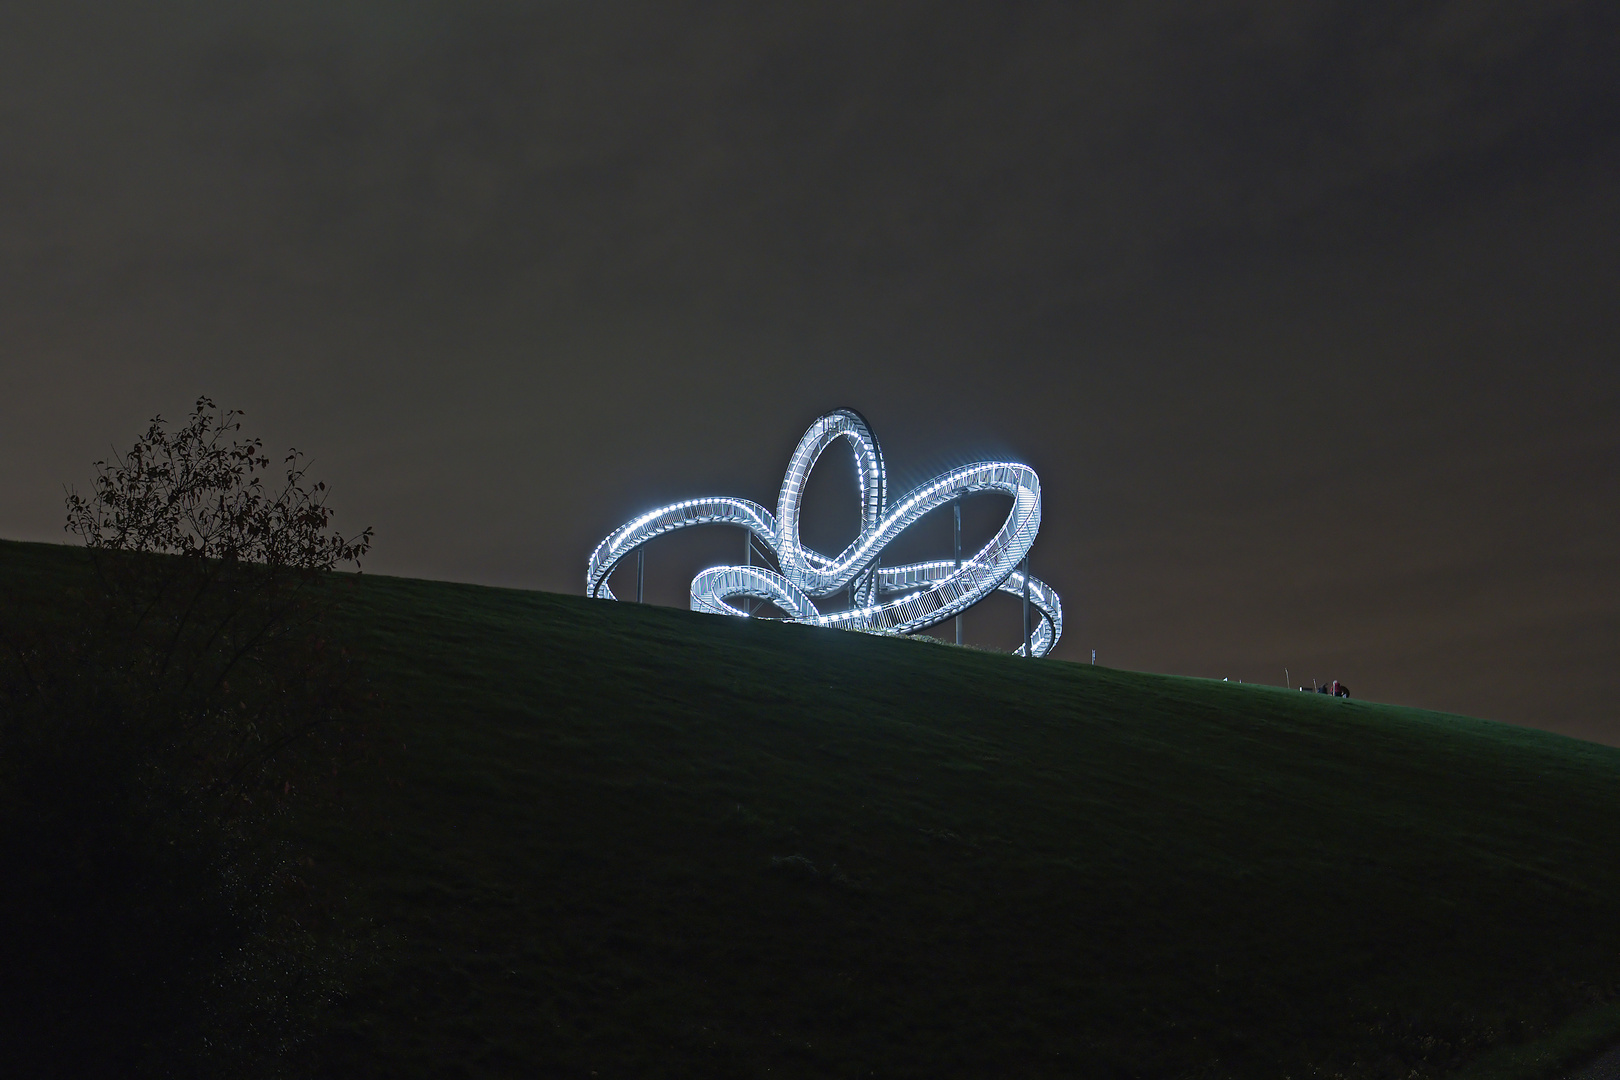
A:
[149, 740]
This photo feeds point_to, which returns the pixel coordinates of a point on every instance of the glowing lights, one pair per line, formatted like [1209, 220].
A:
[923, 594]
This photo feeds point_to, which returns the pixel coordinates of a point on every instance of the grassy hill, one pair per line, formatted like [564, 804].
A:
[612, 840]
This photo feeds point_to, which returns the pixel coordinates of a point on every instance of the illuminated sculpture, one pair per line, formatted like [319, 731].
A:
[882, 599]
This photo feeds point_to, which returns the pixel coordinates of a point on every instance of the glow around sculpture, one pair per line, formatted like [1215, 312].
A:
[881, 599]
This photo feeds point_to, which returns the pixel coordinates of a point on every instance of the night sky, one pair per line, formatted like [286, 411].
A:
[1308, 314]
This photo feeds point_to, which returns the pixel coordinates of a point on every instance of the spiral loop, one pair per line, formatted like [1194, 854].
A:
[894, 599]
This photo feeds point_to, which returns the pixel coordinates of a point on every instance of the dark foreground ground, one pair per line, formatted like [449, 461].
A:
[617, 841]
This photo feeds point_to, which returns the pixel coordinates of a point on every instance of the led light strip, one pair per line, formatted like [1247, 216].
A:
[929, 592]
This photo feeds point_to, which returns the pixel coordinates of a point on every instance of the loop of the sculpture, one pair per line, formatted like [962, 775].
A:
[812, 571]
[720, 510]
[932, 592]
[713, 587]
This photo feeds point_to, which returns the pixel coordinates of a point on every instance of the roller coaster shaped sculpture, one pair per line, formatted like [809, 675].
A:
[882, 599]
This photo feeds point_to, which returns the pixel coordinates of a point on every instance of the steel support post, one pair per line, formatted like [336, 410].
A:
[641, 571]
[957, 508]
[1028, 648]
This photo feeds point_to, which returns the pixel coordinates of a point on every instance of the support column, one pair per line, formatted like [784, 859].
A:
[863, 590]
[1028, 640]
[641, 570]
[956, 507]
[748, 560]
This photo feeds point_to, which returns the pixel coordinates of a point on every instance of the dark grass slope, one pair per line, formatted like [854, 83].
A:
[624, 841]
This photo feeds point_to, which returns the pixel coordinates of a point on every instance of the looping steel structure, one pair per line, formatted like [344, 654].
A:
[882, 599]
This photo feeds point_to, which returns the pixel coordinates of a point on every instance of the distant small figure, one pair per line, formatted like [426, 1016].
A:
[1339, 689]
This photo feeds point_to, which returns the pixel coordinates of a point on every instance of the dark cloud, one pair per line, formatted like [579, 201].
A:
[1305, 311]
